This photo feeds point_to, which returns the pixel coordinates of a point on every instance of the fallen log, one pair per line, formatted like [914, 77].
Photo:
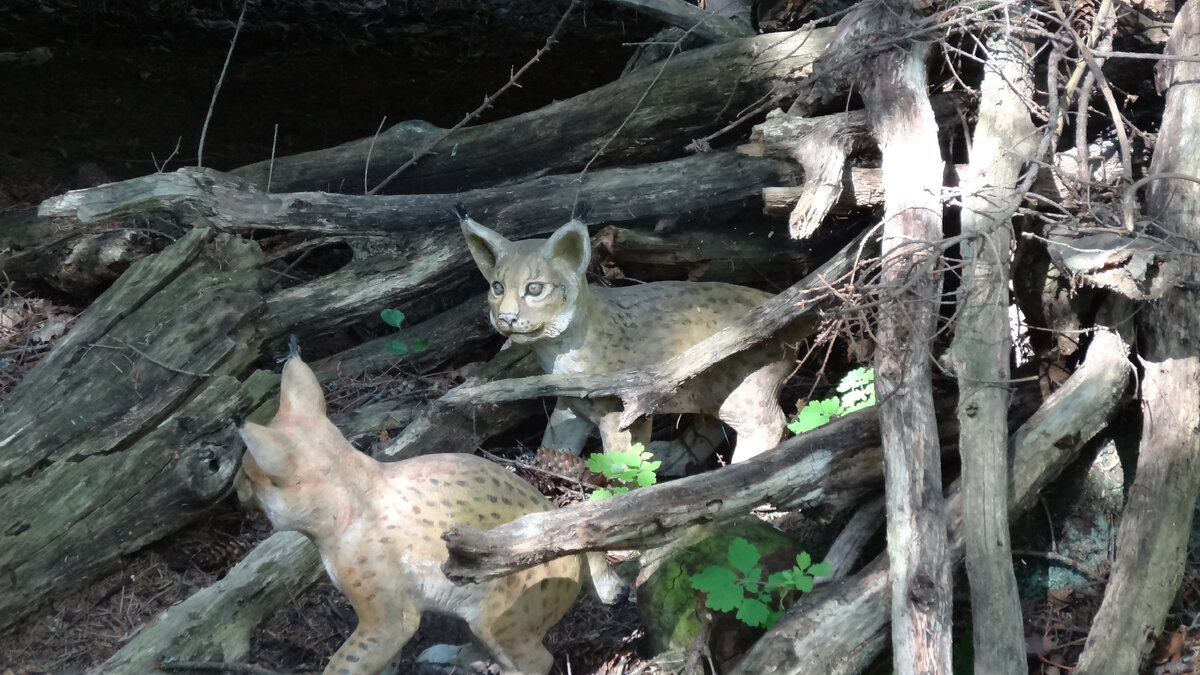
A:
[696, 93]
[121, 434]
[415, 241]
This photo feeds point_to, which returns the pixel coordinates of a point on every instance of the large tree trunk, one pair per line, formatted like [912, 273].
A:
[982, 347]
[1151, 543]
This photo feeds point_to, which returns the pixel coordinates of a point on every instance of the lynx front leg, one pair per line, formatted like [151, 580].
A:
[374, 643]
[620, 440]
[567, 430]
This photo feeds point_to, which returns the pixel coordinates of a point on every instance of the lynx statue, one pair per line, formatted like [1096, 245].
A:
[539, 296]
[379, 530]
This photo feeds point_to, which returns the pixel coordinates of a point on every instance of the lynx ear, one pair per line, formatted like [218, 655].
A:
[268, 449]
[300, 393]
[570, 244]
[486, 245]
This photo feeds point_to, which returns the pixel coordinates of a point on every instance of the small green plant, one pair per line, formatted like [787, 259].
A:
[633, 469]
[393, 318]
[856, 391]
[740, 586]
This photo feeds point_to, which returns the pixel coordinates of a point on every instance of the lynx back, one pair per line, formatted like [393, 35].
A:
[539, 295]
[378, 527]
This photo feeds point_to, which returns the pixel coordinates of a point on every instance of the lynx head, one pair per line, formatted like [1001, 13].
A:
[291, 462]
[535, 283]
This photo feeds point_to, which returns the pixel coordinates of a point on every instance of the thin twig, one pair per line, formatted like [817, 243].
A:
[149, 358]
[221, 79]
[370, 150]
[551, 40]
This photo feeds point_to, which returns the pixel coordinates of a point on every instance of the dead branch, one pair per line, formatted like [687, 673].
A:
[1151, 542]
[981, 349]
[843, 626]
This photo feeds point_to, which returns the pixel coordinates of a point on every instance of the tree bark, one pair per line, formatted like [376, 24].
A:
[843, 626]
[1151, 542]
[122, 433]
[981, 350]
[698, 92]
[893, 85]
[422, 252]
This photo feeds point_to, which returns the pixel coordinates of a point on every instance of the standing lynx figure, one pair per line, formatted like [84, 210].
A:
[379, 530]
[539, 295]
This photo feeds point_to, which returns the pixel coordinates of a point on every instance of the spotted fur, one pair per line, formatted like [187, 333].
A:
[379, 529]
[540, 296]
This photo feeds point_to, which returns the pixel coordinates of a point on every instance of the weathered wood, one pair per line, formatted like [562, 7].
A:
[1003, 143]
[689, 17]
[122, 433]
[842, 627]
[698, 92]
[1152, 540]
[641, 390]
[215, 623]
[825, 471]
[725, 255]
[894, 90]
[416, 242]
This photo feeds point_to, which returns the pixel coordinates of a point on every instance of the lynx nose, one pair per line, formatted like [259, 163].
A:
[506, 319]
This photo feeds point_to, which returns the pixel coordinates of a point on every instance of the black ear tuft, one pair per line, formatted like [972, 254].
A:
[581, 211]
[460, 211]
[293, 349]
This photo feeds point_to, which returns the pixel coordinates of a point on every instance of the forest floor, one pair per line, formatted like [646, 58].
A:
[125, 93]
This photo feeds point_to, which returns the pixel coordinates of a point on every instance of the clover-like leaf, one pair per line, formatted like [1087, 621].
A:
[743, 556]
[721, 585]
[398, 347]
[392, 317]
[753, 612]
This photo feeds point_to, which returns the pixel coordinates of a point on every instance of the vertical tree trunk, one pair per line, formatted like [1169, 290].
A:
[1154, 529]
[980, 352]
[894, 91]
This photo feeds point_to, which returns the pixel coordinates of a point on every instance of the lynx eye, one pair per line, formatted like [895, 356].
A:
[535, 289]
[497, 288]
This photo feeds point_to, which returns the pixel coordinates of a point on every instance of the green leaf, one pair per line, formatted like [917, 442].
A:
[619, 490]
[626, 458]
[646, 478]
[420, 345]
[600, 493]
[398, 347]
[753, 613]
[816, 414]
[804, 583]
[780, 580]
[822, 569]
[392, 317]
[720, 583]
[743, 556]
[803, 560]
[599, 463]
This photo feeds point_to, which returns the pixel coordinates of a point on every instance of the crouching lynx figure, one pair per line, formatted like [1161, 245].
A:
[379, 526]
[539, 295]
